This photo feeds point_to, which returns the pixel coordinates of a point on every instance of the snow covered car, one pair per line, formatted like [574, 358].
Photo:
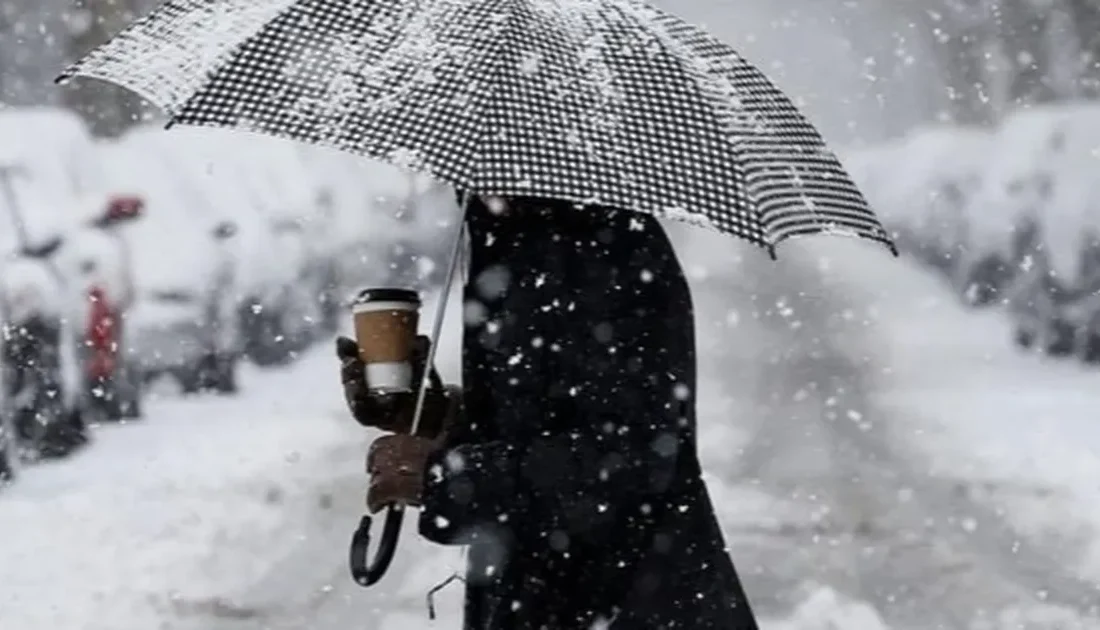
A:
[1054, 274]
[182, 322]
[45, 167]
[282, 316]
[40, 411]
[1031, 295]
[240, 179]
[61, 191]
[1017, 183]
[1071, 227]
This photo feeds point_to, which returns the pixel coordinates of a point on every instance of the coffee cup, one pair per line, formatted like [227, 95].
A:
[386, 321]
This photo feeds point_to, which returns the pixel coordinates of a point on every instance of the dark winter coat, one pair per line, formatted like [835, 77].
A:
[575, 477]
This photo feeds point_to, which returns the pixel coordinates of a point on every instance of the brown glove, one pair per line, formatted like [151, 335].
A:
[396, 466]
[393, 412]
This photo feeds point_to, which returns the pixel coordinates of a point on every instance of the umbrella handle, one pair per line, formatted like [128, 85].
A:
[367, 573]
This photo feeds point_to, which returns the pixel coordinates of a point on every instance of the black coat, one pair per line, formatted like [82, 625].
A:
[575, 477]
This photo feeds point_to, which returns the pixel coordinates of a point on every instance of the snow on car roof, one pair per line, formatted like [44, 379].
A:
[46, 153]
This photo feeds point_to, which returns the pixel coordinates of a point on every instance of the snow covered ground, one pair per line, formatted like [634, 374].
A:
[160, 517]
[878, 457]
[1021, 431]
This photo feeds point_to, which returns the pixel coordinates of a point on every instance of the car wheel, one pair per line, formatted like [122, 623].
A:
[7, 453]
[1024, 338]
[102, 399]
[129, 403]
[265, 340]
[1061, 338]
[130, 409]
[189, 379]
[226, 377]
[1089, 352]
[64, 434]
[272, 346]
[980, 283]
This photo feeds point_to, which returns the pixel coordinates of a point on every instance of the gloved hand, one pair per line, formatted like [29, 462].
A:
[393, 412]
[396, 465]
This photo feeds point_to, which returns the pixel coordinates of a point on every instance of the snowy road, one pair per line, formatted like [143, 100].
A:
[813, 484]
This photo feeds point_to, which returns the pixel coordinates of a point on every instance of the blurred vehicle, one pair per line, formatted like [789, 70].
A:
[1004, 218]
[286, 318]
[282, 319]
[1031, 296]
[1082, 310]
[182, 322]
[260, 184]
[35, 356]
[45, 169]
[1070, 226]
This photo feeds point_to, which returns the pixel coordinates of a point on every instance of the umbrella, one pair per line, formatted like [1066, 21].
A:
[605, 102]
[612, 102]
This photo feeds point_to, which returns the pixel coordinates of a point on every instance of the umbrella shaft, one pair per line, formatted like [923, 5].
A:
[441, 310]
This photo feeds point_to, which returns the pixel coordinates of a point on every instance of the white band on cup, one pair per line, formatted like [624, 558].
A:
[374, 307]
[389, 378]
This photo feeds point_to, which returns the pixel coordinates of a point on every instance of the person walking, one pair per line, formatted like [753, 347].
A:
[572, 473]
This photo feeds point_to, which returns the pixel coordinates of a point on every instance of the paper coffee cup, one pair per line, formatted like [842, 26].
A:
[386, 322]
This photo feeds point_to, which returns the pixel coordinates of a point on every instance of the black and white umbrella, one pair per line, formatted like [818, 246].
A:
[612, 102]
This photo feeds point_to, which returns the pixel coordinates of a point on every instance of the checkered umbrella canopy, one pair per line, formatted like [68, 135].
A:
[612, 102]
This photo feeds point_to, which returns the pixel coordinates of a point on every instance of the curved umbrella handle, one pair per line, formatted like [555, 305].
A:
[368, 574]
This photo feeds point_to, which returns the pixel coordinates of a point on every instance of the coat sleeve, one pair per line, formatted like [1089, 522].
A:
[596, 443]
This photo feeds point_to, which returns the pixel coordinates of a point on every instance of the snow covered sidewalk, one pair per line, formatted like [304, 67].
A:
[158, 520]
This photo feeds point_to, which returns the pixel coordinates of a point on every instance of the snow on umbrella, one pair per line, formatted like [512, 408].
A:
[595, 101]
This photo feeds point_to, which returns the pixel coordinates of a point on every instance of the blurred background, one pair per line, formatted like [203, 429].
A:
[902, 444]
